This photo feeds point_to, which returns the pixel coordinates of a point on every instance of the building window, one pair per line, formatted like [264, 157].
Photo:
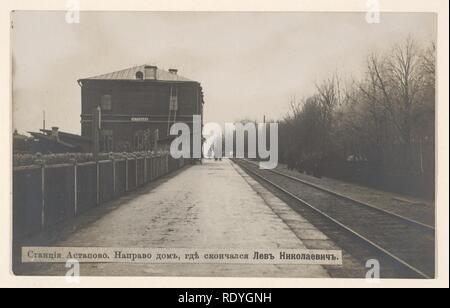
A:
[106, 102]
[106, 140]
[140, 75]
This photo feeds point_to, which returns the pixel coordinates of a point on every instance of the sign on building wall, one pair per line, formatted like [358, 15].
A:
[139, 119]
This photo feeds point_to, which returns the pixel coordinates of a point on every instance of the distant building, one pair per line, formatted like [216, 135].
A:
[137, 105]
[20, 142]
[53, 141]
[82, 144]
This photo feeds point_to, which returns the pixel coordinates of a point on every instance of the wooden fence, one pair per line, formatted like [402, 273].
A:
[49, 194]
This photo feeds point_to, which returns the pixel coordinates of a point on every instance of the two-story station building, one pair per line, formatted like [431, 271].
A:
[138, 104]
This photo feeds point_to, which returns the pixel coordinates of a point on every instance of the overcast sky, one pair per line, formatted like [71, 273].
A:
[249, 64]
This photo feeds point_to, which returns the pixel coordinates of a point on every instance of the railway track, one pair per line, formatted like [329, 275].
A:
[407, 243]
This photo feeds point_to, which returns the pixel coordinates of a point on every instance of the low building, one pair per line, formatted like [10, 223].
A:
[82, 143]
[53, 141]
[20, 143]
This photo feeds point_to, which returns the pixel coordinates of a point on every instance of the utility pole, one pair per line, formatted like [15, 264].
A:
[96, 126]
[155, 139]
[43, 119]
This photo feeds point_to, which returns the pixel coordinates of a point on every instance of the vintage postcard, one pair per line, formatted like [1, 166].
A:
[245, 144]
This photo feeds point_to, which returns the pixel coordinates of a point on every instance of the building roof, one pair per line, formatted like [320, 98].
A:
[64, 135]
[18, 136]
[130, 74]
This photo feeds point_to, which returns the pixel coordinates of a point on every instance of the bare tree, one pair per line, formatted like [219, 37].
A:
[386, 119]
[397, 80]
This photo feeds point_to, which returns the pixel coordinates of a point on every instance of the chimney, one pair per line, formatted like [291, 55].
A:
[55, 133]
[150, 72]
[173, 71]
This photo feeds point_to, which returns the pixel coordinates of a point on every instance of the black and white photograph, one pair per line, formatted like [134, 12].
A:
[225, 144]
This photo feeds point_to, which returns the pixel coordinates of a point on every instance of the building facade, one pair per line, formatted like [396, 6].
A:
[137, 106]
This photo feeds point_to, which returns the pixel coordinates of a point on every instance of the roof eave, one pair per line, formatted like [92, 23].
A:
[136, 81]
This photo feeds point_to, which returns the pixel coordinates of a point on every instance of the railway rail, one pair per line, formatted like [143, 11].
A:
[407, 243]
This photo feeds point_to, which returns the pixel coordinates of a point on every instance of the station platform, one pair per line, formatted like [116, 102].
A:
[214, 205]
